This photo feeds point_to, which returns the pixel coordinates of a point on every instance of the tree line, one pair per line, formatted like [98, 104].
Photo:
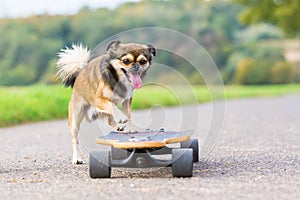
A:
[29, 45]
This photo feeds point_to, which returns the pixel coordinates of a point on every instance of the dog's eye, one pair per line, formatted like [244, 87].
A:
[143, 61]
[126, 61]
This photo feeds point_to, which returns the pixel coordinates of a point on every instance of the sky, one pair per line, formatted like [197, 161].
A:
[23, 8]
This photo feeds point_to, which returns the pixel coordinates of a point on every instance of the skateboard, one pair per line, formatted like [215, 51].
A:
[138, 150]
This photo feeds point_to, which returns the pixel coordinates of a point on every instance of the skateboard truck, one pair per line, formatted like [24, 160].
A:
[141, 158]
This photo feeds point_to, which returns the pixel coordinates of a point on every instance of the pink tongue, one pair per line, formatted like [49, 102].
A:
[136, 80]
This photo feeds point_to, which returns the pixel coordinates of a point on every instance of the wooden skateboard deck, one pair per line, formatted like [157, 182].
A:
[146, 139]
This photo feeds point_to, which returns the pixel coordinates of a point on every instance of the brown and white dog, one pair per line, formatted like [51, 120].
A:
[100, 84]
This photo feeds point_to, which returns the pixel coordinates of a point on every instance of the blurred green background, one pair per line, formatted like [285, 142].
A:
[252, 43]
[265, 51]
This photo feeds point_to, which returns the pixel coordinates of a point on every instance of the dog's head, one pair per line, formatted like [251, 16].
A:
[133, 59]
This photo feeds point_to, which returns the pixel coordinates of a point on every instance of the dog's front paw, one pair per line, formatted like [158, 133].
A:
[120, 118]
[126, 128]
[121, 127]
[130, 129]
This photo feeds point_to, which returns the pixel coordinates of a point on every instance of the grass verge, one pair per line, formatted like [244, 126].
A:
[34, 103]
[39, 102]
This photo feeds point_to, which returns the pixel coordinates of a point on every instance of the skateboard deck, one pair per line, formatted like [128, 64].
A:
[146, 139]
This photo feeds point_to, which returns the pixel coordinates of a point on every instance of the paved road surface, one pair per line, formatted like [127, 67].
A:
[257, 157]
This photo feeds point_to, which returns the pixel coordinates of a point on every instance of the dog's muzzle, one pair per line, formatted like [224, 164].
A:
[135, 68]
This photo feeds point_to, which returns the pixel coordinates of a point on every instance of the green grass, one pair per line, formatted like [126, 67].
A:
[34, 103]
[37, 103]
[153, 95]
[265, 90]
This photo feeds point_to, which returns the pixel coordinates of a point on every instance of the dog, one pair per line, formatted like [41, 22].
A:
[100, 84]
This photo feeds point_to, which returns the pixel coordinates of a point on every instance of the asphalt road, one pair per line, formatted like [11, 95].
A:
[257, 156]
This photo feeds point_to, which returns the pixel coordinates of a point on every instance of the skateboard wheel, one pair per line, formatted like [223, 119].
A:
[119, 154]
[182, 162]
[99, 164]
[193, 144]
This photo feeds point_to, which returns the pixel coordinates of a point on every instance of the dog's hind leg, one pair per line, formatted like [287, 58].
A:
[76, 115]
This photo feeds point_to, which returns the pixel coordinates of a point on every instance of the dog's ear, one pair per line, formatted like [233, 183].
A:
[112, 47]
[151, 49]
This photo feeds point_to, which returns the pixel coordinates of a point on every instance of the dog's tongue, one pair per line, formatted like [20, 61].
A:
[136, 80]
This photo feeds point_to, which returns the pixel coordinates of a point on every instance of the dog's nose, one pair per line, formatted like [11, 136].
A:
[135, 66]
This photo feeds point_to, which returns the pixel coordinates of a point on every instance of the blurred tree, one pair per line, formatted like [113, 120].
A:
[259, 32]
[296, 72]
[254, 65]
[243, 75]
[229, 71]
[33, 42]
[250, 72]
[20, 75]
[49, 76]
[283, 13]
[196, 79]
[281, 73]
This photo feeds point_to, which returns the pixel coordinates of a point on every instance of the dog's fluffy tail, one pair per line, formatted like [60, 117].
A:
[70, 62]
